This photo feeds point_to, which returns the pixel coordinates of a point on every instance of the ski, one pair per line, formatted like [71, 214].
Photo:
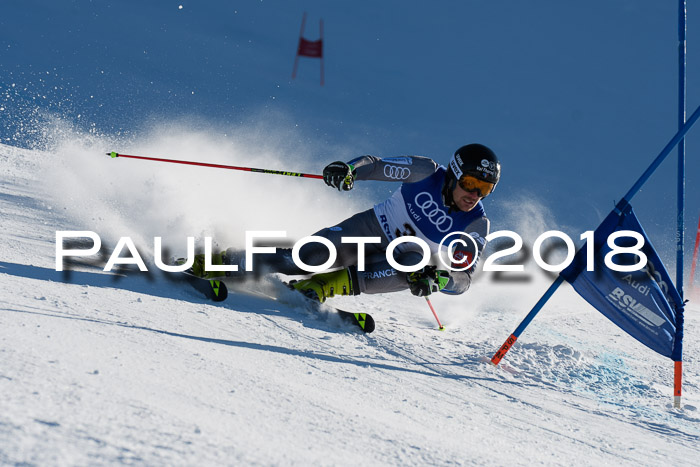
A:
[213, 289]
[364, 321]
[217, 291]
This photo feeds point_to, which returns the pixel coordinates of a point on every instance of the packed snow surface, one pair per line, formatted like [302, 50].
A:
[131, 367]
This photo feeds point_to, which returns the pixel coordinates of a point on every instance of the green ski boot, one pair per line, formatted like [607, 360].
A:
[326, 285]
[217, 259]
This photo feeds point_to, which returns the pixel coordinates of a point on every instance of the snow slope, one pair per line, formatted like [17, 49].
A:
[100, 368]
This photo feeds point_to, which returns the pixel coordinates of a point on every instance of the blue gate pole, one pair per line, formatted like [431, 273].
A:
[498, 356]
[681, 145]
[680, 231]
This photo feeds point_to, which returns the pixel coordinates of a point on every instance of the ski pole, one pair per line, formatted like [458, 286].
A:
[441, 327]
[217, 166]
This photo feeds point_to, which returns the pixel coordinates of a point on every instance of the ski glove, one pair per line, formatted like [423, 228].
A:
[339, 175]
[427, 280]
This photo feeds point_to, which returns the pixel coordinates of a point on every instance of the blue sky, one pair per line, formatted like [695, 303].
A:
[577, 98]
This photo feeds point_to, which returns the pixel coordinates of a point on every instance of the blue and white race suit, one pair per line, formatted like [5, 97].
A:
[415, 209]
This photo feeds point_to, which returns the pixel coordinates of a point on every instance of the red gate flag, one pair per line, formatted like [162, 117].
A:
[307, 48]
[312, 49]
[694, 289]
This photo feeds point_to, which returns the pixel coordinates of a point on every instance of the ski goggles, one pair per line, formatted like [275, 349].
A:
[471, 183]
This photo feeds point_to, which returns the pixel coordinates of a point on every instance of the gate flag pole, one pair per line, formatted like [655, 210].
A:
[530, 316]
[320, 21]
[680, 231]
[296, 57]
[619, 208]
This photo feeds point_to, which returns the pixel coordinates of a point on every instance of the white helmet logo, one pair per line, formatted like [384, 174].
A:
[456, 168]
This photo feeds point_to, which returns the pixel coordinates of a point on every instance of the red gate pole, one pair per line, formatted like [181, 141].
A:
[296, 58]
[321, 26]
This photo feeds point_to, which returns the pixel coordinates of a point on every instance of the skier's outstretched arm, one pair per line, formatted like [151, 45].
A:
[342, 175]
[402, 169]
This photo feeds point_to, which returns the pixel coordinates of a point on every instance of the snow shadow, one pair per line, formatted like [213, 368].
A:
[175, 287]
[240, 344]
[145, 283]
[156, 286]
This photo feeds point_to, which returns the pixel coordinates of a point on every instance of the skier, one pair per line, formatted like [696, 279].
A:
[432, 202]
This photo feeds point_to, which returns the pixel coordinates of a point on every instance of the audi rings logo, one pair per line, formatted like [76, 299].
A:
[432, 211]
[397, 173]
